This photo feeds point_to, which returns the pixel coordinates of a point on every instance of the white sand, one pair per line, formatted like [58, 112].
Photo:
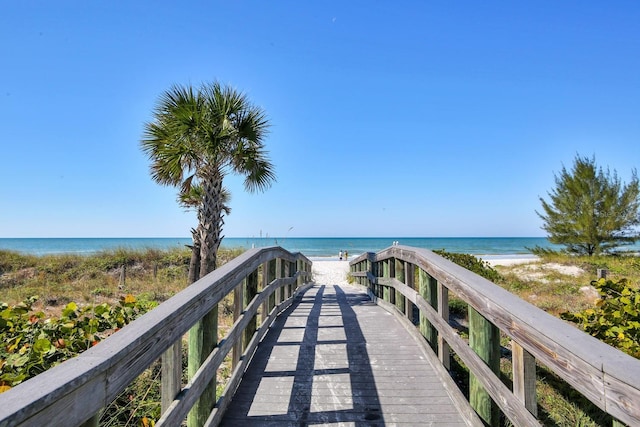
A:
[510, 260]
[330, 272]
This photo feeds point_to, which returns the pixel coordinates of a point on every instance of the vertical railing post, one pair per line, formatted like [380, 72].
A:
[524, 377]
[443, 310]
[238, 308]
[428, 290]
[250, 292]
[399, 297]
[278, 292]
[271, 275]
[203, 338]
[386, 274]
[94, 421]
[171, 375]
[287, 288]
[484, 339]
[264, 310]
[410, 277]
[376, 273]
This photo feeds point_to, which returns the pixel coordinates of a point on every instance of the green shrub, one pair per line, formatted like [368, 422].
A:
[33, 343]
[616, 317]
[471, 263]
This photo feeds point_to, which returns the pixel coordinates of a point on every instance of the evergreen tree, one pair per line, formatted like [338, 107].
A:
[590, 211]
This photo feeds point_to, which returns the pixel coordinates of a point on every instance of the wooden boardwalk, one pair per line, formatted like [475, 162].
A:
[336, 358]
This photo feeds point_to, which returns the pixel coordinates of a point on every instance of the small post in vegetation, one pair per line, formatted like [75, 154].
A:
[602, 273]
[123, 275]
[484, 339]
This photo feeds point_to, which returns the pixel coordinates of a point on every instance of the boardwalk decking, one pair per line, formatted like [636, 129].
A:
[334, 357]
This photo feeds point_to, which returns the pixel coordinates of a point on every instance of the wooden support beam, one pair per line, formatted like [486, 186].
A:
[484, 339]
[171, 376]
[428, 291]
[524, 377]
[444, 352]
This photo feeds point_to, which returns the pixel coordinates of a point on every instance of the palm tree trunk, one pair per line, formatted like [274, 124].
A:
[203, 336]
[194, 263]
[210, 223]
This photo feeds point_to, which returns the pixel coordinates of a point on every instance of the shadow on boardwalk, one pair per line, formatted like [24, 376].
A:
[334, 357]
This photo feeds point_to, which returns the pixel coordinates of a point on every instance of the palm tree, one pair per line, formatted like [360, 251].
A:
[196, 138]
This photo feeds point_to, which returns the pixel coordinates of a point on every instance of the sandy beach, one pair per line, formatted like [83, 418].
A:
[332, 272]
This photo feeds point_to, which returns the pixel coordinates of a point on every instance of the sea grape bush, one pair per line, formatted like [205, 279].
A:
[616, 317]
[472, 263]
[32, 343]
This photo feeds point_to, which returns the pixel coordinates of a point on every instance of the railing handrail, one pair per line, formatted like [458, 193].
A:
[605, 375]
[91, 380]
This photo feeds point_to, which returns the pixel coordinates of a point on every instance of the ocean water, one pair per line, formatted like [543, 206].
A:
[311, 247]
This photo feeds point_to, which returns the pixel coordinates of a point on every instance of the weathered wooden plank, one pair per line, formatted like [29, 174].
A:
[524, 377]
[484, 340]
[372, 371]
[171, 374]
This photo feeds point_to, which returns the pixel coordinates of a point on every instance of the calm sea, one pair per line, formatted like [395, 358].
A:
[311, 247]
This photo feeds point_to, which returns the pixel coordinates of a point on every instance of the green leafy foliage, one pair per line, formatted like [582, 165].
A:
[471, 263]
[616, 317]
[33, 343]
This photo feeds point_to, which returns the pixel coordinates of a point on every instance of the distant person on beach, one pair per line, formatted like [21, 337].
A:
[340, 255]
[346, 256]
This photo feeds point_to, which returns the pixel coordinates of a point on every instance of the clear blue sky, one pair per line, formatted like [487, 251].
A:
[397, 118]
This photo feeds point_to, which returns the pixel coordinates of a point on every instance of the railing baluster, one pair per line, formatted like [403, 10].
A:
[399, 275]
[250, 291]
[386, 273]
[171, 376]
[524, 377]
[238, 307]
[484, 339]
[444, 352]
[427, 290]
[264, 310]
[410, 272]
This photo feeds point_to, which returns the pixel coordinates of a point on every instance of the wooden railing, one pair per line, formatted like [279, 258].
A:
[75, 391]
[400, 277]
